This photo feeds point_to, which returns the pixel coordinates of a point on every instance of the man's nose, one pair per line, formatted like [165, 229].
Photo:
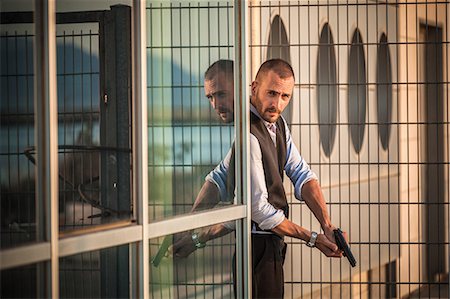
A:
[276, 102]
[218, 101]
[213, 102]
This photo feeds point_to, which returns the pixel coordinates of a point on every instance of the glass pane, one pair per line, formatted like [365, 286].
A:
[22, 282]
[188, 134]
[96, 274]
[179, 270]
[17, 177]
[94, 112]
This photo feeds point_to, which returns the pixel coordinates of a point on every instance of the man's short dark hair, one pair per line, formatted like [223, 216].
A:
[222, 65]
[279, 66]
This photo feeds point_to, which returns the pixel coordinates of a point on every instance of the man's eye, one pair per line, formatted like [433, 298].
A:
[272, 93]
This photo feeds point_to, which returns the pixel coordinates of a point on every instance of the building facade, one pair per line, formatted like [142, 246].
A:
[107, 138]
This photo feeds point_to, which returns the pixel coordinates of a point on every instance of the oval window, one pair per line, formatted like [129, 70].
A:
[326, 90]
[357, 91]
[278, 47]
[384, 90]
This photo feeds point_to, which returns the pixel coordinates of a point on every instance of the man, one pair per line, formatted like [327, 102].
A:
[219, 90]
[273, 153]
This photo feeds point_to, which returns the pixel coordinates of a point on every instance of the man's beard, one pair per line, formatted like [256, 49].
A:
[273, 110]
[271, 118]
[226, 115]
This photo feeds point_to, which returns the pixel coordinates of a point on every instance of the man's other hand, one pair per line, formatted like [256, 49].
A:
[182, 246]
[329, 233]
[329, 248]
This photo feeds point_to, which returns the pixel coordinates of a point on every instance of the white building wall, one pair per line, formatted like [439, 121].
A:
[411, 262]
[376, 176]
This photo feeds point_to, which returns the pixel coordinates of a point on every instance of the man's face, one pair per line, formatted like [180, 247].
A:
[220, 93]
[271, 95]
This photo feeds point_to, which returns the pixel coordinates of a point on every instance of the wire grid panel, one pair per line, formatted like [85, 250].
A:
[361, 117]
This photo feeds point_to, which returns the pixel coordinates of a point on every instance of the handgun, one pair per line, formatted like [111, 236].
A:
[342, 244]
[162, 251]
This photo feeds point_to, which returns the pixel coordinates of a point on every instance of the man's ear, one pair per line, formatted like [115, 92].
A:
[254, 86]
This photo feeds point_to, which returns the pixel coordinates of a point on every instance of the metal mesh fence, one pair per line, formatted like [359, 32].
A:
[370, 115]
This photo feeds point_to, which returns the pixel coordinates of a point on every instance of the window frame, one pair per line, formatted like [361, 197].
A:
[137, 233]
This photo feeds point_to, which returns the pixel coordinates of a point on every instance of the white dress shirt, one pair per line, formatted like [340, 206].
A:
[296, 168]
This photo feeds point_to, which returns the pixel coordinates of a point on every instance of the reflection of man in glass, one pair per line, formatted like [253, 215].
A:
[219, 89]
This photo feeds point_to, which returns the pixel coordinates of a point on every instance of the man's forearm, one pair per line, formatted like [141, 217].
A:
[213, 232]
[207, 198]
[323, 243]
[312, 195]
[290, 229]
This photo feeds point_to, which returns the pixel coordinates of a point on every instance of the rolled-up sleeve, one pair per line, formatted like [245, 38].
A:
[263, 213]
[296, 167]
[218, 176]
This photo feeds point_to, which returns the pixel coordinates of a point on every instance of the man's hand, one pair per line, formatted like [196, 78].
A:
[329, 248]
[182, 246]
[329, 233]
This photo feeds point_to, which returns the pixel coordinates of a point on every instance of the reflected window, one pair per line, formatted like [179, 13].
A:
[94, 137]
[17, 176]
[22, 282]
[93, 55]
[95, 274]
[278, 47]
[326, 90]
[357, 91]
[384, 91]
[206, 270]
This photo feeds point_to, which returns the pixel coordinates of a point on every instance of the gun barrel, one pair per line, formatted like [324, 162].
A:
[162, 251]
[342, 244]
